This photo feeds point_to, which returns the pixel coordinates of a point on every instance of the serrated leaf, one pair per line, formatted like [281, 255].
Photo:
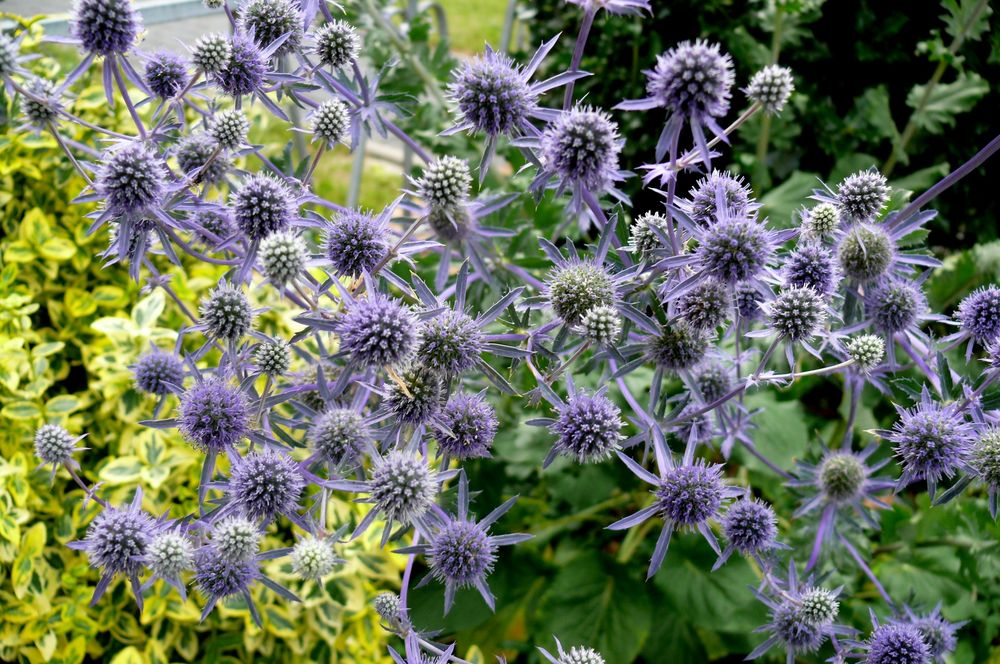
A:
[945, 101]
[966, 19]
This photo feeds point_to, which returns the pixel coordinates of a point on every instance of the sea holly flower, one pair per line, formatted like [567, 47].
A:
[737, 196]
[983, 466]
[771, 87]
[693, 81]
[356, 242]
[460, 550]
[751, 529]
[248, 72]
[445, 183]
[416, 652]
[331, 122]
[495, 96]
[336, 44]
[166, 74]
[55, 446]
[471, 424]
[313, 558]
[939, 634]
[811, 265]
[229, 128]
[378, 331]
[802, 616]
[283, 256]
[269, 20]
[893, 643]
[688, 495]
[587, 426]
[932, 441]
[211, 53]
[862, 195]
[117, 542]
[575, 655]
[843, 481]
[978, 317]
[198, 157]
[159, 373]
[169, 555]
[338, 437]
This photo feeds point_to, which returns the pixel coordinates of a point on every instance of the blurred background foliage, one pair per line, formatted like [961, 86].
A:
[911, 89]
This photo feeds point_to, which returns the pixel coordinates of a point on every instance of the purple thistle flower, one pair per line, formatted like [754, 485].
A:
[938, 634]
[866, 252]
[378, 331]
[706, 306]
[337, 44]
[460, 550]
[693, 81]
[894, 305]
[811, 265]
[576, 654]
[226, 313]
[894, 643]
[214, 416]
[736, 248]
[422, 400]
[685, 496]
[269, 20]
[931, 440]
[796, 314]
[331, 122]
[735, 192]
[577, 286]
[56, 446]
[751, 529]
[450, 343]
[229, 128]
[220, 577]
[862, 195]
[473, 424]
[44, 109]
[771, 87]
[842, 480]
[131, 179]
[159, 373]
[445, 183]
[263, 205]
[677, 346]
[588, 428]
[246, 69]
[211, 53]
[105, 27]
[196, 157]
[117, 542]
[265, 485]
[166, 74]
[339, 436]
[979, 314]
[356, 242]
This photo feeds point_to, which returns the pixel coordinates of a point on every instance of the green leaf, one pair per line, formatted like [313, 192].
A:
[44, 350]
[57, 249]
[945, 101]
[148, 310]
[123, 470]
[62, 405]
[20, 410]
[9, 530]
[780, 202]
[21, 571]
[966, 19]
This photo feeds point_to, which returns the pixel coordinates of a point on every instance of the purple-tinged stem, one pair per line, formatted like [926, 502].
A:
[581, 42]
[855, 386]
[83, 485]
[866, 569]
[123, 88]
[405, 586]
[752, 449]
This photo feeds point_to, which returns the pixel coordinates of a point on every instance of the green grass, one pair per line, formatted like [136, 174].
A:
[472, 23]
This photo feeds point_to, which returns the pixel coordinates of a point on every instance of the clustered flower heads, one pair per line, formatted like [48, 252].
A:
[389, 389]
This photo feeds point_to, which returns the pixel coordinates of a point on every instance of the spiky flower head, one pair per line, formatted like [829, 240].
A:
[748, 299]
[643, 236]
[157, 372]
[706, 306]
[589, 427]
[283, 256]
[862, 195]
[797, 313]
[867, 351]
[677, 346]
[822, 220]
[403, 486]
[819, 606]
[693, 79]
[244, 72]
[378, 331]
[931, 440]
[337, 44]
[979, 313]
[985, 457]
[736, 194]
[735, 249]
[602, 324]
[272, 358]
[40, 114]
[771, 87]
[491, 93]
[313, 558]
[445, 182]
[387, 606]
[263, 205]
[581, 655]
[894, 304]
[423, 398]
[8, 55]
[462, 553]
[842, 477]
[170, 553]
[897, 644]
[213, 226]
[339, 436]
[229, 129]
[267, 20]
[166, 74]
[355, 243]
[105, 27]
[473, 423]
[451, 224]
[794, 630]
[937, 632]
[131, 178]
[196, 157]
[713, 381]
[54, 445]
[266, 484]
[811, 265]
[213, 415]
[577, 287]
[582, 145]
[450, 343]
[236, 538]
[218, 577]
[211, 53]
[226, 313]
[331, 122]
[865, 252]
[691, 494]
[118, 540]
[750, 526]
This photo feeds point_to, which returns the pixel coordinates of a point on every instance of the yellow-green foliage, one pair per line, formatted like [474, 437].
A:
[69, 329]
